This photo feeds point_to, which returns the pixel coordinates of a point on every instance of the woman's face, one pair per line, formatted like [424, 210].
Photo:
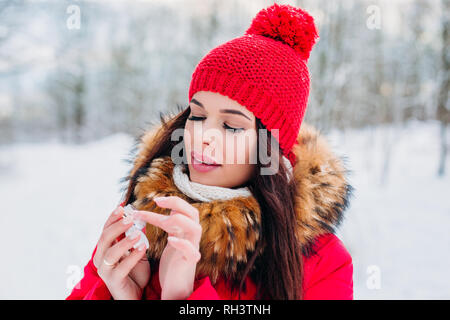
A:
[220, 130]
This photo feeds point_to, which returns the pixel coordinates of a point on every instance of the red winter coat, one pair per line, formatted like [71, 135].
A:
[327, 275]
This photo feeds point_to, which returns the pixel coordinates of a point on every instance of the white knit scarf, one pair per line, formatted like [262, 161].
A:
[206, 193]
[202, 192]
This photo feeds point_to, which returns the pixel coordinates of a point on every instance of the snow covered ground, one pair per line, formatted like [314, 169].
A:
[56, 198]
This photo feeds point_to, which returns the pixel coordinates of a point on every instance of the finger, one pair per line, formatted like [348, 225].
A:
[114, 216]
[112, 232]
[179, 205]
[126, 254]
[190, 253]
[126, 265]
[118, 250]
[140, 273]
[153, 218]
[176, 224]
[181, 226]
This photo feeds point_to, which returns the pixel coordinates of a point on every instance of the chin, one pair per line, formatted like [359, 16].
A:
[207, 178]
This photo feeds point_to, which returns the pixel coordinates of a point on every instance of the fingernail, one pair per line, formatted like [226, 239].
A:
[117, 211]
[159, 199]
[165, 218]
[134, 235]
[127, 220]
[141, 247]
[170, 238]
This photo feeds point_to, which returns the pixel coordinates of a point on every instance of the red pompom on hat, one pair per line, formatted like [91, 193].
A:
[290, 25]
[265, 70]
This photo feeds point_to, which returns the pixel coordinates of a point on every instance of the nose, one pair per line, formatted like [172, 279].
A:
[207, 140]
[209, 146]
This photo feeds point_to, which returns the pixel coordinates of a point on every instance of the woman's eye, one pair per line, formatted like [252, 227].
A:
[234, 130]
[194, 118]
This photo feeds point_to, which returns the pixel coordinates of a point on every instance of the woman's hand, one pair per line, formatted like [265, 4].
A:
[129, 271]
[179, 259]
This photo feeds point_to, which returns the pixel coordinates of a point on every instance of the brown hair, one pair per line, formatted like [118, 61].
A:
[278, 272]
[279, 269]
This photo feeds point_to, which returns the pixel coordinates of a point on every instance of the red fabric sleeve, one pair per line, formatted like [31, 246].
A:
[91, 286]
[330, 277]
[203, 290]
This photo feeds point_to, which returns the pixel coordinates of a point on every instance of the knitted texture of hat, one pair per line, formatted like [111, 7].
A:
[265, 70]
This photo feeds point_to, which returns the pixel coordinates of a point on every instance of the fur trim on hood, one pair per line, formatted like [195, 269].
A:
[231, 228]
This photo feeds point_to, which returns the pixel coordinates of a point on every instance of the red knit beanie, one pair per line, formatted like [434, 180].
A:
[265, 70]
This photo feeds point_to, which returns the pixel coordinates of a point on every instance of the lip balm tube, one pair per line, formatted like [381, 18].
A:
[138, 225]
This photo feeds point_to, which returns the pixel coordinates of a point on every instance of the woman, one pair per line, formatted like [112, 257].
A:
[237, 214]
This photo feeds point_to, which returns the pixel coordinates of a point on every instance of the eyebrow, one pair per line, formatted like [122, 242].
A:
[233, 111]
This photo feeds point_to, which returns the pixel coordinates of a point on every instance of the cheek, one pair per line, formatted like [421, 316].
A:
[187, 139]
[252, 149]
[188, 136]
[240, 149]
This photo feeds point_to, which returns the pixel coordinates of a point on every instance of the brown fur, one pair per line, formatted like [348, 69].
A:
[231, 228]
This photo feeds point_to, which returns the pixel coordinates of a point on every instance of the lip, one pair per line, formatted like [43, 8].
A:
[203, 158]
[201, 167]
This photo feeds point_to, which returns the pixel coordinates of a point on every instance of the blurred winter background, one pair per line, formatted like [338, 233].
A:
[79, 79]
